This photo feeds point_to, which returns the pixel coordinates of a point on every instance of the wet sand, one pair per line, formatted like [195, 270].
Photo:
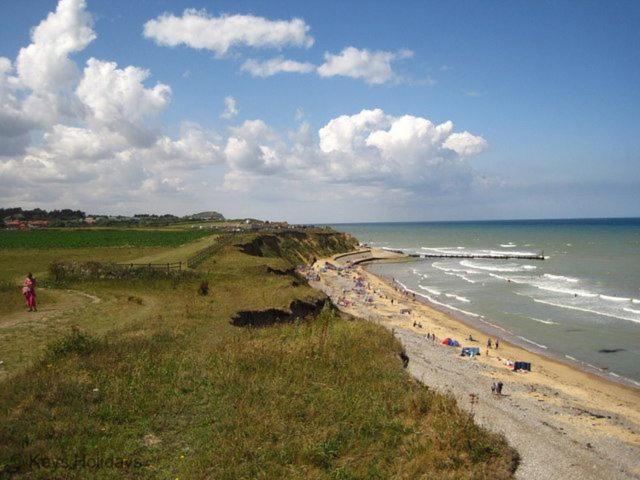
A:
[565, 423]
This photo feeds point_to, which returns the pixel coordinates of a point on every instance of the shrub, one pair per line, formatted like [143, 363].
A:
[65, 271]
[76, 342]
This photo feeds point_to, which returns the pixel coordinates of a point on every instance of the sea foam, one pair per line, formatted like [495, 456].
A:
[588, 310]
[507, 267]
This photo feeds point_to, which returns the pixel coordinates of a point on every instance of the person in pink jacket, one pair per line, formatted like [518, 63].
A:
[29, 292]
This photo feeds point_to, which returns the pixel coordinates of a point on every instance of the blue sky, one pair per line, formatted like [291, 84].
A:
[548, 91]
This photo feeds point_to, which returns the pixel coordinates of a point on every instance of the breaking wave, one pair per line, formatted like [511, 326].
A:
[540, 320]
[561, 277]
[508, 267]
[588, 310]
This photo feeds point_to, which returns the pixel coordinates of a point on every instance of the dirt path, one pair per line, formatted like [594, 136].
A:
[64, 301]
[179, 254]
[24, 335]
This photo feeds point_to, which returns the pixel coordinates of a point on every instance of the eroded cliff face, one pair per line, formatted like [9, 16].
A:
[299, 246]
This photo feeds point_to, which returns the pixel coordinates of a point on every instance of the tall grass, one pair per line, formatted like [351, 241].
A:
[181, 393]
[68, 238]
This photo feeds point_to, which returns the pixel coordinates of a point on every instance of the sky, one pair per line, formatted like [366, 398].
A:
[322, 111]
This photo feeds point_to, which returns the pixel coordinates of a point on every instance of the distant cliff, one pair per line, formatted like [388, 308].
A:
[300, 246]
[213, 216]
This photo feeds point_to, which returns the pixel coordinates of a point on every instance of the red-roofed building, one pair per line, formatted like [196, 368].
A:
[16, 224]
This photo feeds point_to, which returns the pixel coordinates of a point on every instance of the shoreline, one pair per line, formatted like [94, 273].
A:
[561, 418]
[489, 329]
[463, 319]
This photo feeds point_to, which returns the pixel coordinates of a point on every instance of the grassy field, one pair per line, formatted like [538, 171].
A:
[152, 381]
[16, 262]
[82, 238]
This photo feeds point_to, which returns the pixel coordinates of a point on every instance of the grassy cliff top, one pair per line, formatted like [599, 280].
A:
[150, 379]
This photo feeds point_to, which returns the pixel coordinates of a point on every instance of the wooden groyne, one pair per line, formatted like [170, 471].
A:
[477, 255]
[533, 256]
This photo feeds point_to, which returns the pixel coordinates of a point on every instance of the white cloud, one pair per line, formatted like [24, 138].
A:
[76, 143]
[373, 67]
[92, 142]
[275, 65]
[369, 149]
[466, 144]
[194, 148]
[408, 153]
[36, 92]
[198, 29]
[44, 66]
[347, 133]
[85, 139]
[15, 123]
[230, 108]
[255, 147]
[114, 94]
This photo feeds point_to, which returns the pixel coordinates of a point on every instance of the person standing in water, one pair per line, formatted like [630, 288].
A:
[29, 292]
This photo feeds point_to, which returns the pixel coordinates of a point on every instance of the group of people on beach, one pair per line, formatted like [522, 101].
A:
[29, 292]
[361, 285]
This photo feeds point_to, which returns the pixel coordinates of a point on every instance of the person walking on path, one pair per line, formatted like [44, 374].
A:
[29, 292]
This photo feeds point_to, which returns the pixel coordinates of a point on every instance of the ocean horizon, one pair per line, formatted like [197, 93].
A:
[581, 304]
[578, 220]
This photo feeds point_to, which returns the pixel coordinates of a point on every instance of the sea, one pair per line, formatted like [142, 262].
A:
[580, 304]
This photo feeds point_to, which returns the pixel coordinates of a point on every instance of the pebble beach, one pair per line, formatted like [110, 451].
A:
[565, 423]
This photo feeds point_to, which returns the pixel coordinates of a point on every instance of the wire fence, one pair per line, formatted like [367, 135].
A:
[169, 266]
[195, 260]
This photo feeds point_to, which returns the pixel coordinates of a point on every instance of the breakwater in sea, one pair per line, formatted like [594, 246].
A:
[581, 304]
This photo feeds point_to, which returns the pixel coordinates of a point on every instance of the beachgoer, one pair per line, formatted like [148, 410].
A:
[493, 388]
[499, 388]
[488, 343]
[497, 343]
[29, 292]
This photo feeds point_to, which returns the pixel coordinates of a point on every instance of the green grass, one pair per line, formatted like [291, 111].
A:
[16, 262]
[154, 382]
[82, 238]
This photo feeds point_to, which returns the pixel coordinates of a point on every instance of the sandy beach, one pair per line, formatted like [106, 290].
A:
[565, 423]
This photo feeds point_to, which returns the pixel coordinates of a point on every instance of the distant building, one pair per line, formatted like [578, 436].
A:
[89, 220]
[38, 223]
[16, 224]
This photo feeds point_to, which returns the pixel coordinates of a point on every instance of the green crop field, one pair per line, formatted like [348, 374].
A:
[61, 238]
